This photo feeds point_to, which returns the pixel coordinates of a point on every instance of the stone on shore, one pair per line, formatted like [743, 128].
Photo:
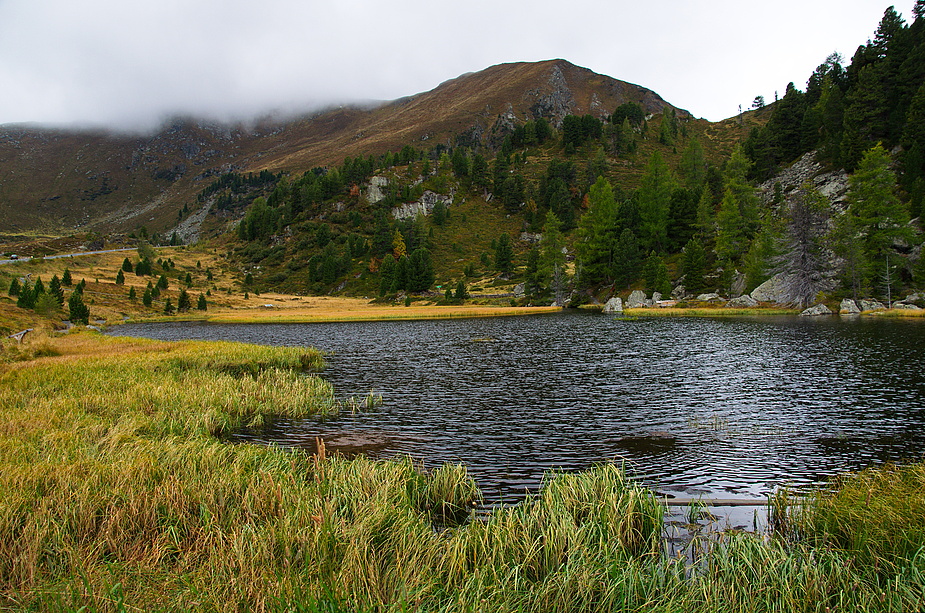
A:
[872, 305]
[819, 309]
[849, 307]
[636, 300]
[742, 302]
[614, 305]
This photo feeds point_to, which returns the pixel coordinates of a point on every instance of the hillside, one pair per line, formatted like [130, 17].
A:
[59, 181]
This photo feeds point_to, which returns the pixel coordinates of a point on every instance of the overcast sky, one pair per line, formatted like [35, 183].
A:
[131, 63]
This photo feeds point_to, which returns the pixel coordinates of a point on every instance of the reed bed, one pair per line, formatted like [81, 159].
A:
[116, 495]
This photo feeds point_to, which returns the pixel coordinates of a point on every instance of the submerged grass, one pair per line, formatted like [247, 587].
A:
[116, 495]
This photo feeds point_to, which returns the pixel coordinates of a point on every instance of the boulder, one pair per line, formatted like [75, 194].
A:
[906, 307]
[656, 296]
[871, 305]
[708, 297]
[848, 307]
[742, 302]
[773, 290]
[374, 192]
[614, 305]
[636, 300]
[819, 309]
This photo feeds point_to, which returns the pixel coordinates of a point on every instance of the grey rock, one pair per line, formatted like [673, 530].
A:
[679, 293]
[848, 307]
[708, 297]
[656, 296]
[424, 206]
[819, 309]
[520, 290]
[738, 284]
[374, 191]
[614, 305]
[871, 305]
[773, 290]
[906, 307]
[742, 302]
[636, 300]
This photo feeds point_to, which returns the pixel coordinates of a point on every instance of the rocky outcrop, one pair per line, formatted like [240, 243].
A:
[614, 305]
[742, 302]
[374, 191]
[773, 290]
[711, 297]
[906, 307]
[848, 307]
[424, 206]
[636, 300]
[831, 184]
[814, 311]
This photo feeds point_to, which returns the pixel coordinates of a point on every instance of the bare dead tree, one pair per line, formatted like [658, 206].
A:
[803, 260]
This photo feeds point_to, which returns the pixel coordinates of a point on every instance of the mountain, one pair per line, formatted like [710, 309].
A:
[62, 181]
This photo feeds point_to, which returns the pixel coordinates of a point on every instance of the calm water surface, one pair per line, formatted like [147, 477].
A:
[715, 407]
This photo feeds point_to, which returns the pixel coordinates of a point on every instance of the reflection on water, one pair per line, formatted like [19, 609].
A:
[714, 407]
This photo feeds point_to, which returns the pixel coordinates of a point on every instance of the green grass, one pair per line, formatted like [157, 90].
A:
[116, 495]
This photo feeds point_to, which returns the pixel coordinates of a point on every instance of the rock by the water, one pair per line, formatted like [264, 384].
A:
[848, 307]
[636, 300]
[872, 305]
[614, 305]
[819, 309]
[708, 297]
[773, 290]
[742, 302]
[656, 296]
[906, 307]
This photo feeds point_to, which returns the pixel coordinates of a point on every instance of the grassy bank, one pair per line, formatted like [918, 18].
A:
[115, 494]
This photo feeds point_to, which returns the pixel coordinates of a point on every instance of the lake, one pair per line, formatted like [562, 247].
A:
[713, 407]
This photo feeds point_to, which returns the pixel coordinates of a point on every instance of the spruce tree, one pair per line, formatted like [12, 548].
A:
[132, 295]
[54, 288]
[184, 303]
[127, 265]
[66, 280]
[169, 310]
[78, 312]
[878, 214]
[504, 254]
[147, 299]
[654, 196]
[15, 287]
[695, 266]
[201, 303]
[120, 277]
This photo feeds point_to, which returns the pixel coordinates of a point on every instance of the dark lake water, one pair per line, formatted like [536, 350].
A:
[728, 408]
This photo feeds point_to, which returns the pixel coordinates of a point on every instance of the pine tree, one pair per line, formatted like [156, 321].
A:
[551, 265]
[15, 287]
[879, 216]
[654, 197]
[399, 250]
[147, 299]
[695, 266]
[627, 259]
[132, 295]
[54, 288]
[201, 303]
[598, 230]
[803, 260]
[169, 310]
[184, 303]
[127, 265]
[78, 312]
[120, 277]
[462, 292]
[504, 254]
[162, 282]
[66, 280]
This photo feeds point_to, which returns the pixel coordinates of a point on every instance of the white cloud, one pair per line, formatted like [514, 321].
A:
[131, 63]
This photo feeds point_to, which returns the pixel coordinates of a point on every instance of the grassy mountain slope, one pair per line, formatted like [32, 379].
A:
[61, 181]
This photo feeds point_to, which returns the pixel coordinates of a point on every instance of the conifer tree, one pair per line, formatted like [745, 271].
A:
[654, 197]
[66, 280]
[201, 303]
[551, 265]
[54, 288]
[504, 254]
[78, 312]
[183, 301]
[147, 299]
[879, 216]
[169, 310]
[127, 265]
[15, 287]
[598, 230]
[695, 266]
[120, 277]
[132, 295]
